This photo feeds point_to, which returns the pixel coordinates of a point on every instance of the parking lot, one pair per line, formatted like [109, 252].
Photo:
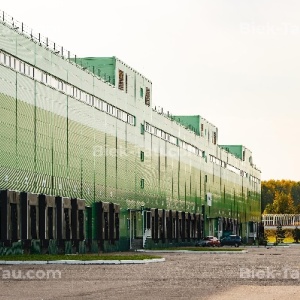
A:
[262, 273]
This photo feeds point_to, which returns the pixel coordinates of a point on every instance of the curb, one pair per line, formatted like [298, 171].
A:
[194, 252]
[81, 262]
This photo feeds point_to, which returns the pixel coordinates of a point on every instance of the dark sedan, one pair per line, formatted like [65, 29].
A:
[231, 240]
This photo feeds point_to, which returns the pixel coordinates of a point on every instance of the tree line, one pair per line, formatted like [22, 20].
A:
[280, 197]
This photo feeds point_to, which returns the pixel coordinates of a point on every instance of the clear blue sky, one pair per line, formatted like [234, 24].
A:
[236, 63]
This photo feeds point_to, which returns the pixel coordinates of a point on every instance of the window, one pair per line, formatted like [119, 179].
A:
[215, 138]
[147, 127]
[250, 160]
[28, 70]
[147, 97]
[142, 128]
[2, 58]
[142, 155]
[113, 111]
[37, 74]
[17, 68]
[22, 68]
[44, 76]
[121, 80]
[141, 92]
[152, 129]
[173, 140]
[97, 103]
[109, 109]
[54, 82]
[126, 83]
[90, 99]
[13, 63]
[60, 85]
[131, 119]
[7, 60]
[119, 114]
[104, 106]
[125, 116]
[142, 183]
[158, 132]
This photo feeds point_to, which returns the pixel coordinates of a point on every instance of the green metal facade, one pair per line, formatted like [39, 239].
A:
[190, 122]
[53, 143]
[236, 150]
[103, 67]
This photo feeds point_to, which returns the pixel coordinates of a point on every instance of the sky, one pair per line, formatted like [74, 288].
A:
[235, 63]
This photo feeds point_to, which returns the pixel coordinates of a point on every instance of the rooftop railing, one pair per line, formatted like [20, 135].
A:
[35, 36]
[48, 44]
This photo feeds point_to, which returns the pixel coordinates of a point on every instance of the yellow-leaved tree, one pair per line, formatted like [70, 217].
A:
[280, 196]
[283, 204]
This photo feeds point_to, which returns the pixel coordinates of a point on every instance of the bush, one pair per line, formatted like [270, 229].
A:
[263, 240]
[296, 235]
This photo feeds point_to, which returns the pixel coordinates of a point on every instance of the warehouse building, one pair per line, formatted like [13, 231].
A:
[85, 157]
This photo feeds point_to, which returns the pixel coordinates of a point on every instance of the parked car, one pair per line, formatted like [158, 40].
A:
[209, 241]
[231, 240]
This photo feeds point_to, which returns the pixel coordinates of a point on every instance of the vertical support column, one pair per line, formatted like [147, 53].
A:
[81, 219]
[67, 219]
[74, 219]
[188, 229]
[111, 222]
[117, 221]
[59, 218]
[43, 217]
[183, 224]
[106, 220]
[24, 218]
[88, 224]
[177, 233]
[50, 218]
[169, 226]
[33, 216]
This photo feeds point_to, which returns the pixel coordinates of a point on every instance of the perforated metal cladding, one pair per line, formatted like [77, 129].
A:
[57, 155]
[54, 144]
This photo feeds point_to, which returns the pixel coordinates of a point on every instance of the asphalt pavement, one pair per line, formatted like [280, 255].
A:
[260, 273]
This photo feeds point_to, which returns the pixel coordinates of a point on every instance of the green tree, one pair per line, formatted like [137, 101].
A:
[280, 196]
[267, 193]
[295, 192]
[283, 204]
[269, 209]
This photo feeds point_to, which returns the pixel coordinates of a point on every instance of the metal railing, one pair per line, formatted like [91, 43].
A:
[35, 36]
[292, 220]
[59, 50]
